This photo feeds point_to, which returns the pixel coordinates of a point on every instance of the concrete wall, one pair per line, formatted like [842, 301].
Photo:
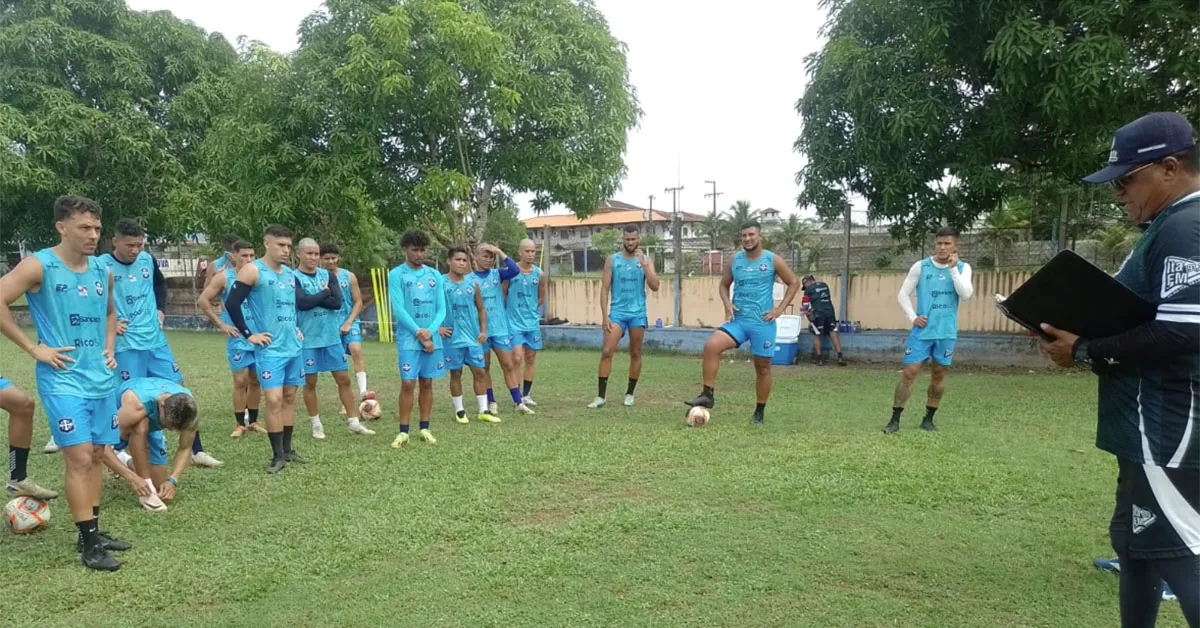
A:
[872, 300]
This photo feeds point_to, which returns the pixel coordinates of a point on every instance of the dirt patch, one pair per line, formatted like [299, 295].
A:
[545, 517]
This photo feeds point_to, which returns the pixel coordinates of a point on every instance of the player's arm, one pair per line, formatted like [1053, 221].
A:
[652, 281]
[543, 285]
[27, 277]
[439, 314]
[784, 273]
[356, 297]
[247, 278]
[723, 291]
[306, 302]
[962, 281]
[110, 328]
[605, 290]
[904, 297]
[334, 300]
[205, 303]
[404, 319]
[129, 415]
[183, 457]
[509, 268]
[482, 312]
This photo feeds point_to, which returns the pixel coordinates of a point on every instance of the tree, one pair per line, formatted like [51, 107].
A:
[85, 92]
[935, 111]
[1116, 240]
[461, 101]
[793, 234]
[713, 227]
[1002, 229]
[740, 213]
[504, 228]
[607, 241]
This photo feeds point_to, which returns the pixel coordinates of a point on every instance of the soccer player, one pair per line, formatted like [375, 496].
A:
[419, 307]
[19, 407]
[270, 287]
[627, 274]
[238, 350]
[750, 315]
[351, 326]
[940, 281]
[323, 351]
[464, 333]
[148, 406]
[140, 294]
[822, 318]
[70, 298]
[491, 287]
[524, 298]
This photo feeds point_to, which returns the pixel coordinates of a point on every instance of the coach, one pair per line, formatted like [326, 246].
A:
[1149, 395]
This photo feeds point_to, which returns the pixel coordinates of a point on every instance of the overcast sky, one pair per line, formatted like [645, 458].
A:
[718, 88]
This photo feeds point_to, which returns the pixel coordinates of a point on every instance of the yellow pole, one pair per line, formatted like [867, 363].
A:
[383, 304]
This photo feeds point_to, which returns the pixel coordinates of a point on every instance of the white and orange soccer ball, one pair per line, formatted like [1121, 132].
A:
[698, 416]
[26, 514]
[369, 409]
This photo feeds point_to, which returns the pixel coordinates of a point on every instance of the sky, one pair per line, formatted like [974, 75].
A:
[718, 89]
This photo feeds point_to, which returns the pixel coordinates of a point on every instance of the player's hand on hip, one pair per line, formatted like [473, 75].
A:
[920, 321]
[53, 356]
[139, 486]
[122, 326]
[230, 331]
[262, 340]
[772, 315]
[162, 317]
[445, 332]
[1062, 348]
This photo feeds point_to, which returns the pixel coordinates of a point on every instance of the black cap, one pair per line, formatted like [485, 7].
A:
[1149, 138]
[808, 278]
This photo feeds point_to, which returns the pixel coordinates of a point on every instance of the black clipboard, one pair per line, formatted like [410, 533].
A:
[1074, 295]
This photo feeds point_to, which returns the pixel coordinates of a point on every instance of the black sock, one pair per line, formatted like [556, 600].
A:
[461, 413]
[896, 414]
[758, 408]
[287, 438]
[240, 418]
[839, 355]
[525, 389]
[276, 444]
[253, 414]
[17, 457]
[603, 388]
[707, 392]
[929, 412]
[631, 386]
[196, 446]
[89, 532]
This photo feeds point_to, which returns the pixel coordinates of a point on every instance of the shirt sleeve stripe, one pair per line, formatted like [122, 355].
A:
[1179, 307]
[1178, 318]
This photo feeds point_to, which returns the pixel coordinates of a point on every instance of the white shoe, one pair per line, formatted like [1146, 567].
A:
[530, 402]
[427, 436]
[598, 402]
[628, 401]
[524, 409]
[356, 427]
[29, 488]
[203, 459]
[50, 447]
[318, 430]
[493, 408]
[153, 503]
[125, 458]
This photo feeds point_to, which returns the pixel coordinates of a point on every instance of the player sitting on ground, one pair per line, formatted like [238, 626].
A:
[464, 332]
[148, 406]
[491, 285]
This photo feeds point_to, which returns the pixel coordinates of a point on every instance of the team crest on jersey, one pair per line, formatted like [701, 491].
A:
[99, 289]
[458, 291]
[132, 278]
[762, 268]
[420, 284]
[1179, 273]
[432, 282]
[66, 426]
[82, 291]
[941, 276]
[125, 375]
[266, 375]
[145, 273]
[470, 291]
[406, 367]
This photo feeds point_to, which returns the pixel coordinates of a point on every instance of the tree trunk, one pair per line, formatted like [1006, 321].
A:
[482, 206]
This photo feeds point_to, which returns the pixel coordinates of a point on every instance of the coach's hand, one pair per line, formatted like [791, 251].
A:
[53, 356]
[122, 326]
[427, 346]
[445, 332]
[231, 331]
[1062, 349]
[920, 321]
[262, 340]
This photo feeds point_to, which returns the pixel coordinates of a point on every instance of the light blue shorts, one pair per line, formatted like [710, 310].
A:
[277, 372]
[940, 351]
[4, 383]
[324, 360]
[139, 363]
[420, 365]
[156, 442]
[76, 420]
[456, 357]
[627, 322]
[761, 336]
[528, 339]
[239, 358]
[501, 343]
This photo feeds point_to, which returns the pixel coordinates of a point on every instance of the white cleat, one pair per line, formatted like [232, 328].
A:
[524, 409]
[356, 427]
[598, 402]
[29, 488]
[493, 408]
[50, 447]
[204, 459]
[153, 502]
[530, 402]
[124, 458]
[318, 430]
[628, 401]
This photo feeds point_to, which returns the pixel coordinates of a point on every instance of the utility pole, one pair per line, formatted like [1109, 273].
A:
[714, 194]
[651, 201]
[677, 232]
[846, 268]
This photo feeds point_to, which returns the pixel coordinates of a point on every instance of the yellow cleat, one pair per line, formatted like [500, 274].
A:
[401, 441]
[487, 418]
[427, 436]
[461, 420]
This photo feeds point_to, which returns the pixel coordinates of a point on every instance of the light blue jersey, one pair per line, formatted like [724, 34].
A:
[319, 325]
[221, 263]
[418, 302]
[753, 286]
[522, 305]
[493, 304]
[70, 310]
[133, 297]
[628, 287]
[238, 344]
[147, 390]
[937, 299]
[463, 314]
[343, 277]
[273, 305]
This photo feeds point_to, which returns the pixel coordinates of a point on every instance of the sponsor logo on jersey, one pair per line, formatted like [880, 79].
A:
[79, 319]
[61, 287]
[1179, 274]
[82, 291]
[1142, 518]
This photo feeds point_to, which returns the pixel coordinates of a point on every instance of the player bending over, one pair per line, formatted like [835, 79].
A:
[147, 407]
[822, 318]
[751, 318]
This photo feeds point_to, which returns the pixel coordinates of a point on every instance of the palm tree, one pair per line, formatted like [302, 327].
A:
[740, 213]
[1115, 239]
[1002, 229]
[792, 234]
[713, 228]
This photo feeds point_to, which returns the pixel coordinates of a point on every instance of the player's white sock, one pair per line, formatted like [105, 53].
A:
[483, 403]
[458, 403]
[316, 418]
[361, 376]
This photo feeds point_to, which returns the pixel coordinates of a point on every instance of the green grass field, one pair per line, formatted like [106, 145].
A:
[617, 517]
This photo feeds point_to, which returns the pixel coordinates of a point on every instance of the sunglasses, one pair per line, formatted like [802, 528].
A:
[1120, 183]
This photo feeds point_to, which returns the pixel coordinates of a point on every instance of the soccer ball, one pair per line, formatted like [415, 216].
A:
[697, 416]
[26, 514]
[369, 408]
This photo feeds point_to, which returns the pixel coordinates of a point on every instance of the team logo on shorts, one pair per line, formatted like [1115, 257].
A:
[767, 344]
[266, 374]
[66, 426]
[125, 375]
[948, 353]
[237, 357]
[114, 421]
[441, 364]
[762, 268]
[175, 367]
[99, 289]
[310, 362]
[406, 367]
[82, 291]
[907, 351]
[145, 273]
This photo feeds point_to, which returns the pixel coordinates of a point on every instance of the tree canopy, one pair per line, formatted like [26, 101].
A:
[935, 111]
